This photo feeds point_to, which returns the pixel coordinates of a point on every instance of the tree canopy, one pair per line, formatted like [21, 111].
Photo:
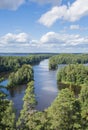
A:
[67, 59]
[67, 112]
[7, 114]
[74, 73]
[21, 76]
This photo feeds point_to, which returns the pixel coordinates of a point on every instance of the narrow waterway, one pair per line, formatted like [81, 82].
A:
[45, 88]
[45, 85]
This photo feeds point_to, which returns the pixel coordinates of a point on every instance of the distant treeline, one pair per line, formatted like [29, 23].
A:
[67, 59]
[11, 63]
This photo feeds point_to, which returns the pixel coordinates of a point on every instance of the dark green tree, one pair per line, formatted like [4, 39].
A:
[23, 75]
[84, 107]
[67, 59]
[28, 107]
[73, 74]
[64, 113]
[8, 119]
[7, 115]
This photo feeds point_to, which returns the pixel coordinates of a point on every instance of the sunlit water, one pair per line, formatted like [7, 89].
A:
[45, 85]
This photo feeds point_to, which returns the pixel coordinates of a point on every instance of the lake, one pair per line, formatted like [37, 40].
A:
[45, 87]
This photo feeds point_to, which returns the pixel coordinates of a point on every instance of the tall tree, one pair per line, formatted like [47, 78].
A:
[28, 106]
[84, 107]
[64, 112]
[7, 115]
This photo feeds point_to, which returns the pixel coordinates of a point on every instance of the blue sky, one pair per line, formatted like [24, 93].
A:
[44, 26]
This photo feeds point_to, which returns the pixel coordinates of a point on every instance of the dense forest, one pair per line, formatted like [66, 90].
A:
[12, 63]
[67, 59]
[76, 74]
[21, 76]
[67, 112]
[7, 113]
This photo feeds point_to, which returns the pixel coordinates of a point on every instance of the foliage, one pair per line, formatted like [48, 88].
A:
[8, 119]
[12, 63]
[74, 73]
[67, 59]
[1, 79]
[28, 106]
[84, 107]
[38, 121]
[7, 115]
[23, 75]
[53, 64]
[64, 113]
[67, 112]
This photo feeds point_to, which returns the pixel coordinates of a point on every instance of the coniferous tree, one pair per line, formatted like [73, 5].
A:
[28, 106]
[7, 115]
[64, 113]
[84, 107]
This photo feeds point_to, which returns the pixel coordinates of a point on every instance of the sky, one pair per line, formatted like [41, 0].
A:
[33, 26]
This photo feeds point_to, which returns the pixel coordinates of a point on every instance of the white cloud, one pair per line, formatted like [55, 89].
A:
[10, 4]
[14, 38]
[49, 37]
[49, 42]
[51, 16]
[71, 13]
[77, 10]
[77, 27]
[19, 42]
[63, 39]
[74, 27]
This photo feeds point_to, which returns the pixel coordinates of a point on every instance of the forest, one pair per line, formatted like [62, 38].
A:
[21, 76]
[12, 63]
[67, 111]
[76, 74]
[67, 59]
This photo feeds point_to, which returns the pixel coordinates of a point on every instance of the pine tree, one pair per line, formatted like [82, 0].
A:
[84, 107]
[28, 106]
[64, 112]
[7, 115]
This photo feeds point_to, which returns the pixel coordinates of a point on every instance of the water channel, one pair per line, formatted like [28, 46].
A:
[45, 87]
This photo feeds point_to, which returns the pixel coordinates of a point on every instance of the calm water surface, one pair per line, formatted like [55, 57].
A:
[45, 87]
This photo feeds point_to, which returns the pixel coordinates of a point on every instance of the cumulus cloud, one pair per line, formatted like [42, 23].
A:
[51, 16]
[10, 38]
[49, 42]
[50, 37]
[19, 42]
[10, 4]
[71, 13]
[61, 43]
[77, 27]
[63, 39]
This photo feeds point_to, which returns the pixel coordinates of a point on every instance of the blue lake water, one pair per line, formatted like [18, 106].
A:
[14, 54]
